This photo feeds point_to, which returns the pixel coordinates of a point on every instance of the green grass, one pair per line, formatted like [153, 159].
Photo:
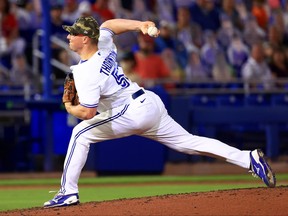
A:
[109, 188]
[135, 179]
[26, 198]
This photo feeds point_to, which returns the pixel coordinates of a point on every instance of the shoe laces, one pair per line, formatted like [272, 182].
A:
[57, 193]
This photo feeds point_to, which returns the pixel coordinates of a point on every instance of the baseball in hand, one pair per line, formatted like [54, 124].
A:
[152, 31]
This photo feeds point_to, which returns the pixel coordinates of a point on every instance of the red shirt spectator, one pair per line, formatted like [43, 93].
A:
[260, 13]
[9, 24]
[101, 7]
[149, 65]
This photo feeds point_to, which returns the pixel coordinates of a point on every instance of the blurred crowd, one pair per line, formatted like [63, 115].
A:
[221, 40]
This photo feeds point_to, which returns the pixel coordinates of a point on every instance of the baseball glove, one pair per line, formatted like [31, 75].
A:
[70, 92]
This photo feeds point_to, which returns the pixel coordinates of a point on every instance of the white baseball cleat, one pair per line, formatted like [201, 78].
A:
[260, 168]
[62, 200]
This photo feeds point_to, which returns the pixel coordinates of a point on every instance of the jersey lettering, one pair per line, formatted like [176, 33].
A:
[110, 66]
[108, 63]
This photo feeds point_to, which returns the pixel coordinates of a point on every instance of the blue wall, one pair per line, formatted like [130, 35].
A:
[258, 120]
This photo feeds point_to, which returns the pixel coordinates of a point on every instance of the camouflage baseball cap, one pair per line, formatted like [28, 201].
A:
[84, 25]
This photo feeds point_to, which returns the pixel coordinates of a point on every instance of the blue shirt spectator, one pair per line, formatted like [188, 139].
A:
[166, 40]
[57, 22]
[205, 14]
[209, 50]
[237, 53]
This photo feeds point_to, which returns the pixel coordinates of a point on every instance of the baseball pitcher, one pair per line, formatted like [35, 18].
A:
[111, 106]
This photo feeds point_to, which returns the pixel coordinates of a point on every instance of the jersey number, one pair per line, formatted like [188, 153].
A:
[120, 79]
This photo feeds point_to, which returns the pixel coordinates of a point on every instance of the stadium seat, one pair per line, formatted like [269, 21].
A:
[279, 99]
[230, 100]
[258, 100]
[203, 100]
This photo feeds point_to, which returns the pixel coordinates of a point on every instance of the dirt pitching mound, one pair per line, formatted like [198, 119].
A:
[256, 201]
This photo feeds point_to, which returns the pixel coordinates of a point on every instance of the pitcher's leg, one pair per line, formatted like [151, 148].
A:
[171, 134]
[74, 162]
[85, 133]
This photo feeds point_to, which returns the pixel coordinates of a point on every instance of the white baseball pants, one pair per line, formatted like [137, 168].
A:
[145, 116]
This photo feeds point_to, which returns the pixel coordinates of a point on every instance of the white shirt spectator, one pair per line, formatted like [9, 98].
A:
[258, 72]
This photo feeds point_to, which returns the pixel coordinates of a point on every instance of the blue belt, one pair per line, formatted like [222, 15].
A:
[137, 94]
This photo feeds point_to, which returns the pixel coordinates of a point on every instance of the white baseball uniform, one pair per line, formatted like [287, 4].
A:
[126, 109]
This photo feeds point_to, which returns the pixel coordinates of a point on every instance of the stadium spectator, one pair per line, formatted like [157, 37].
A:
[195, 70]
[252, 32]
[70, 11]
[285, 15]
[127, 42]
[237, 54]
[59, 32]
[29, 19]
[226, 32]
[149, 65]
[85, 9]
[228, 9]
[278, 20]
[221, 70]
[12, 43]
[140, 11]
[209, 50]
[167, 40]
[256, 70]
[4, 75]
[166, 10]
[119, 9]
[101, 7]
[260, 12]
[276, 39]
[126, 4]
[57, 21]
[242, 10]
[124, 42]
[170, 59]
[275, 5]
[278, 64]
[204, 13]
[247, 4]
[187, 31]
[21, 72]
